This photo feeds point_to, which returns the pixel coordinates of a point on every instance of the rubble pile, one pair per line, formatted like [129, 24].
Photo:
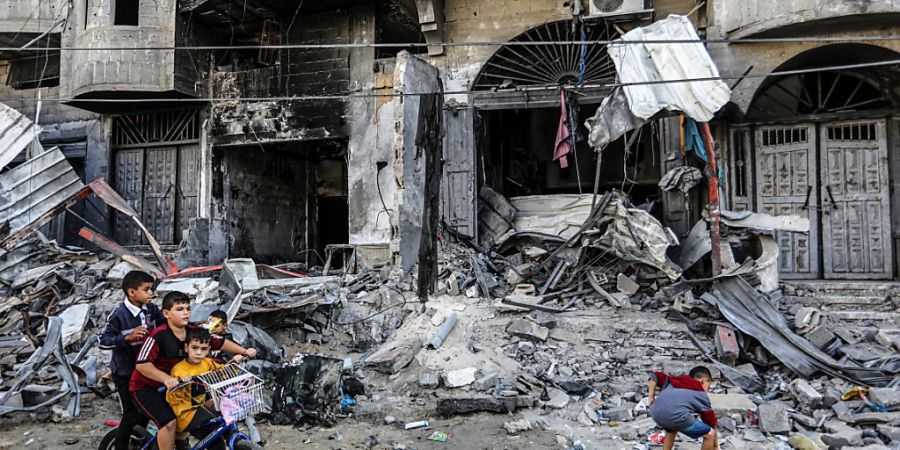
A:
[40, 280]
[558, 321]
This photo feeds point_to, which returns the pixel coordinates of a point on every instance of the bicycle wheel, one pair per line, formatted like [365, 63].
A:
[109, 441]
[246, 445]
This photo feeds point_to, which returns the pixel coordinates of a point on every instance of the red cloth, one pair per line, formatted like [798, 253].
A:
[562, 134]
[687, 382]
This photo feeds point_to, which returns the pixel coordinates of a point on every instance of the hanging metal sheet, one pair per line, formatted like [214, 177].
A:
[32, 193]
[16, 133]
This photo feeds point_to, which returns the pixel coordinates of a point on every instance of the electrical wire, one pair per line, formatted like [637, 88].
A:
[361, 95]
[402, 45]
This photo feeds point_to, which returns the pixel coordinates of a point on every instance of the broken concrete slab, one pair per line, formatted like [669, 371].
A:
[807, 395]
[543, 319]
[429, 379]
[558, 399]
[460, 377]
[773, 418]
[889, 397]
[394, 356]
[74, 323]
[841, 435]
[821, 336]
[451, 406]
[731, 404]
[888, 338]
[518, 426]
[527, 329]
[626, 285]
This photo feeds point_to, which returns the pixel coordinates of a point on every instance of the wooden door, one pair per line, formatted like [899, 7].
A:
[160, 190]
[786, 184]
[855, 200]
[129, 182]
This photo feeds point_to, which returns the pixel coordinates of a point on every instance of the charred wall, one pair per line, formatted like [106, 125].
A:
[265, 201]
[300, 72]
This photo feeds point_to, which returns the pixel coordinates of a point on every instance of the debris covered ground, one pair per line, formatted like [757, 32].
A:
[545, 338]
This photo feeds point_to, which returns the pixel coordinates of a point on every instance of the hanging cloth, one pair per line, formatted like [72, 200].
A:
[562, 147]
[693, 143]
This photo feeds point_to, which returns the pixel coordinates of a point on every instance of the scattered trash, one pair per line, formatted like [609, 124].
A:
[414, 425]
[440, 436]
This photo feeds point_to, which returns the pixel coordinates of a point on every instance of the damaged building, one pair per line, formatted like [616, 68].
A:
[579, 192]
[309, 144]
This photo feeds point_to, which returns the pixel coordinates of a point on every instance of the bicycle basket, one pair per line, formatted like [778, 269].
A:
[235, 392]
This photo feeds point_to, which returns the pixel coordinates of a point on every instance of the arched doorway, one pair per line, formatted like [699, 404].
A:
[819, 145]
[517, 97]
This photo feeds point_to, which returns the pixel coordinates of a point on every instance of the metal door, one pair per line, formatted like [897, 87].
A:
[856, 227]
[160, 189]
[458, 198]
[129, 179]
[786, 181]
[188, 186]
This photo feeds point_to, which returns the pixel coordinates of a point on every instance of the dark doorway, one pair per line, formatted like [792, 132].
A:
[516, 157]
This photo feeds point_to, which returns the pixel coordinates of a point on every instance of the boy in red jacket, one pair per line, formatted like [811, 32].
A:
[678, 400]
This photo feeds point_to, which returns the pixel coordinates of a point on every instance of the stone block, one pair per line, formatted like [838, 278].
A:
[486, 382]
[773, 418]
[729, 404]
[617, 414]
[727, 346]
[889, 397]
[558, 399]
[890, 339]
[527, 329]
[393, 356]
[429, 380]
[807, 395]
[820, 336]
[459, 377]
[543, 319]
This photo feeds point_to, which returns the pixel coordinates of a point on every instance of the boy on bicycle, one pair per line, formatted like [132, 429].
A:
[124, 332]
[163, 349]
[190, 404]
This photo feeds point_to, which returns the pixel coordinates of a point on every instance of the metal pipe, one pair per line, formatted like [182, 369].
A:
[443, 332]
[714, 219]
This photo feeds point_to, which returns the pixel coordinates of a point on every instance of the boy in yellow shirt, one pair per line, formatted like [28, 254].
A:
[190, 405]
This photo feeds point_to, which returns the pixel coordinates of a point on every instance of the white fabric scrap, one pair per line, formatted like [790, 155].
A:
[648, 62]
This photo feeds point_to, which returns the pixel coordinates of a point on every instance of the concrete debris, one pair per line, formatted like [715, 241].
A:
[394, 356]
[807, 395]
[429, 380]
[460, 377]
[587, 295]
[773, 418]
[558, 399]
[527, 329]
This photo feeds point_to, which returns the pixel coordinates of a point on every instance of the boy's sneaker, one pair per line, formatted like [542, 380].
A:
[182, 444]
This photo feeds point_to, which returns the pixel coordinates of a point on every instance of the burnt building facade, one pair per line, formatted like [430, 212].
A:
[274, 130]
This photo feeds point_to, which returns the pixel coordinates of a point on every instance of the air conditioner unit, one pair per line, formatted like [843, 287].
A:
[616, 7]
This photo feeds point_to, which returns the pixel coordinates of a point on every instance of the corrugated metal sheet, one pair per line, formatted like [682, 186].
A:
[32, 190]
[16, 133]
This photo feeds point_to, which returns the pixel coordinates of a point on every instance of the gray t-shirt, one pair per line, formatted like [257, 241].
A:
[674, 408]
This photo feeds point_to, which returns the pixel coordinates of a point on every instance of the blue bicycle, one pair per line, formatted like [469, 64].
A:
[234, 391]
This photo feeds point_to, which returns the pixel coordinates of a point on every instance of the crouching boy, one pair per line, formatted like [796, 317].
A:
[162, 350]
[679, 398]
